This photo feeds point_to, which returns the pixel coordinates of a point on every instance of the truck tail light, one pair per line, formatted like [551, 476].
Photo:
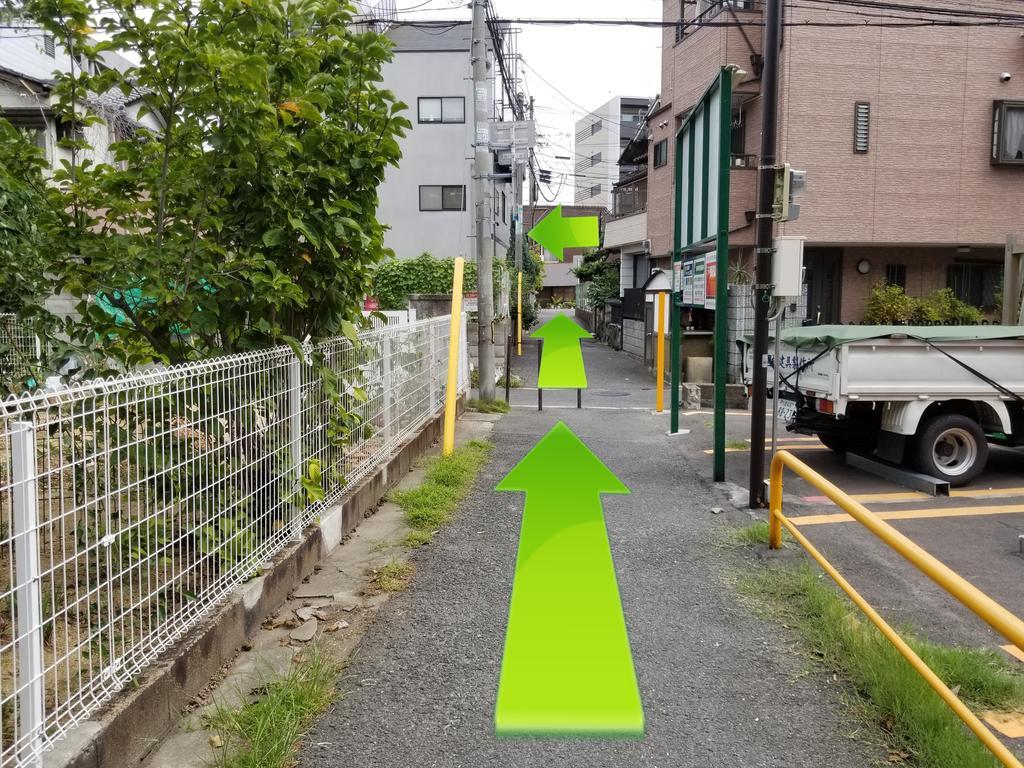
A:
[825, 406]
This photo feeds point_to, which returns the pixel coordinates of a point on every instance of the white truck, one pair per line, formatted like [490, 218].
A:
[929, 397]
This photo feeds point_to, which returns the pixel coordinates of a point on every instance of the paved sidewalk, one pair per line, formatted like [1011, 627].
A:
[719, 686]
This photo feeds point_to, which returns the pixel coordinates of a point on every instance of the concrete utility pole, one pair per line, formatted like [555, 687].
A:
[765, 245]
[482, 171]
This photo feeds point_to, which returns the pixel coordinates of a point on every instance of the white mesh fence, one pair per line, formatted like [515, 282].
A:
[19, 351]
[131, 507]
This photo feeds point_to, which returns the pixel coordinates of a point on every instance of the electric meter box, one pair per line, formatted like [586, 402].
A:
[788, 266]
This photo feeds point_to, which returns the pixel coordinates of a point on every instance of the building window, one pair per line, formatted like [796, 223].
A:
[595, 159]
[896, 274]
[680, 27]
[976, 283]
[661, 153]
[861, 127]
[32, 123]
[1008, 133]
[70, 130]
[504, 208]
[595, 191]
[595, 127]
[48, 47]
[442, 198]
[446, 109]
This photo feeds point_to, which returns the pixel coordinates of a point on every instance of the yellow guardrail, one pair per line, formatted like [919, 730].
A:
[997, 617]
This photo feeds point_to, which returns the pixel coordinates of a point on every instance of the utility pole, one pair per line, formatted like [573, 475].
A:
[482, 172]
[765, 244]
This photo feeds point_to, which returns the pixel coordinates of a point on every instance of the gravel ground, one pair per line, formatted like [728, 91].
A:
[720, 686]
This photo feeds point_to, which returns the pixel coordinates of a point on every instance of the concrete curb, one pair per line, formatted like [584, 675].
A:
[135, 722]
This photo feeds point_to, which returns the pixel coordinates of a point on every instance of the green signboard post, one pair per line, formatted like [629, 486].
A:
[703, 147]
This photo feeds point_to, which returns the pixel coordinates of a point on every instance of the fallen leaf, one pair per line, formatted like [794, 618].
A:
[215, 741]
[336, 626]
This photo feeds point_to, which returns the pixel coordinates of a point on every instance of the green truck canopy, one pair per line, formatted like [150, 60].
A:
[837, 335]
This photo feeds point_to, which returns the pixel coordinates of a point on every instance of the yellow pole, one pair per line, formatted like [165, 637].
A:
[983, 606]
[448, 444]
[519, 319]
[660, 388]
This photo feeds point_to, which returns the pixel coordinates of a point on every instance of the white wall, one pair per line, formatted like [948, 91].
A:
[436, 154]
[607, 142]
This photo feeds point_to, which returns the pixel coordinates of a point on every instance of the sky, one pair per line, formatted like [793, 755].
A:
[588, 64]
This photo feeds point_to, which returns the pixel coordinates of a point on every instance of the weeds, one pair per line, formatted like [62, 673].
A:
[489, 406]
[448, 480]
[737, 445]
[393, 577]
[265, 733]
[418, 538]
[749, 535]
[888, 691]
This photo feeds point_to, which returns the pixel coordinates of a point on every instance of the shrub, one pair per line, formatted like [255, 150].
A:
[944, 308]
[889, 305]
[397, 278]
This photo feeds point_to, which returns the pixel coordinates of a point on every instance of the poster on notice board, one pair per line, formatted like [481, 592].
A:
[711, 280]
[699, 281]
[688, 282]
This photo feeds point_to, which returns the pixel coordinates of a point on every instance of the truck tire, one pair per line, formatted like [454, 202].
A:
[953, 448]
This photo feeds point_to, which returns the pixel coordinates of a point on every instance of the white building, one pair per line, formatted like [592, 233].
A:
[428, 200]
[600, 138]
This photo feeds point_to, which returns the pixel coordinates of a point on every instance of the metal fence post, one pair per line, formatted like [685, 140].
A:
[28, 629]
[433, 368]
[388, 386]
[295, 437]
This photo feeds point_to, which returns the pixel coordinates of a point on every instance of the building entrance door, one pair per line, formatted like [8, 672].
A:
[824, 284]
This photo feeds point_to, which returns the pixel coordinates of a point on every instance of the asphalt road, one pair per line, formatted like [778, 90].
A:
[720, 687]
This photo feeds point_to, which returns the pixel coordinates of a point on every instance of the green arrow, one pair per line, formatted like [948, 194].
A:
[561, 361]
[556, 232]
[567, 669]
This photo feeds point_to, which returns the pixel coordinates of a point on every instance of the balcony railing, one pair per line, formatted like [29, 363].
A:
[630, 199]
[708, 10]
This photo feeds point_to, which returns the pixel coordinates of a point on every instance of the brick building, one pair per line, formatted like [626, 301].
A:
[912, 139]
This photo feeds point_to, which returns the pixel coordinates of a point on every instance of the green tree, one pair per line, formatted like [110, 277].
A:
[247, 218]
[602, 276]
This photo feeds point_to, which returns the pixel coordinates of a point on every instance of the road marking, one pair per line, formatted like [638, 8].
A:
[912, 514]
[900, 496]
[1014, 651]
[789, 439]
[1010, 724]
[799, 448]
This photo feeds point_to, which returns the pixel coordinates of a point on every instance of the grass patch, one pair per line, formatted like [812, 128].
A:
[489, 406]
[265, 733]
[737, 445]
[750, 535]
[418, 538]
[393, 577]
[448, 480]
[888, 692]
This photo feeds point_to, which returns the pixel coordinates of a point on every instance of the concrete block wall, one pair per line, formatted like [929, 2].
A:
[633, 333]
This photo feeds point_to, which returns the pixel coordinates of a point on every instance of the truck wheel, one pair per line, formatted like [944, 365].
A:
[952, 447]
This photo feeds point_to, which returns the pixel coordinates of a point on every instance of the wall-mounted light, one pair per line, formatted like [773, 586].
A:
[863, 266]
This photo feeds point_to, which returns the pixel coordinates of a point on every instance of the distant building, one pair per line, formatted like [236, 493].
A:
[30, 60]
[600, 139]
[427, 202]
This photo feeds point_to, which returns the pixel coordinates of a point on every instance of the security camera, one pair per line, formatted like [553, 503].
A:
[1005, 77]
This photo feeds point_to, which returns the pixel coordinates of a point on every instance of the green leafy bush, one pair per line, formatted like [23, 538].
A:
[890, 305]
[395, 279]
[944, 308]
[602, 276]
